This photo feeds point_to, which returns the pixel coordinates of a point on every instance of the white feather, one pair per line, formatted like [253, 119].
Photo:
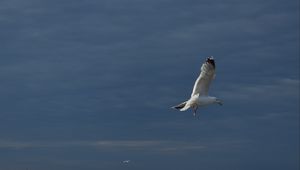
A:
[203, 82]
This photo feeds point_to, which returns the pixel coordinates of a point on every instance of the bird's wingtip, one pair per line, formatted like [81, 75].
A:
[211, 61]
[179, 106]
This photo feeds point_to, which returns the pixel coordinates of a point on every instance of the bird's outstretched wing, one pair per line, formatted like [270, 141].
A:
[206, 76]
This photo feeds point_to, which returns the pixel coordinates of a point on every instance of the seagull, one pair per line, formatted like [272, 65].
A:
[126, 161]
[199, 96]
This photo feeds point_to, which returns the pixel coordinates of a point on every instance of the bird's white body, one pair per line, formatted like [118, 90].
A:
[199, 101]
[199, 96]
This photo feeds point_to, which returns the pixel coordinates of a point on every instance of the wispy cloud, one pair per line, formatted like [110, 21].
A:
[278, 89]
[156, 146]
[113, 145]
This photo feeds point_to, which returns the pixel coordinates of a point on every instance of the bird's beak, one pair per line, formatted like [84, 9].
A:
[220, 102]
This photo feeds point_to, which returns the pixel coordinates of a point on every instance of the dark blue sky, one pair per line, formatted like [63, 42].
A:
[87, 84]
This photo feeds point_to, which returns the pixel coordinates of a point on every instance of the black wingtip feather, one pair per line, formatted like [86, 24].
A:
[211, 61]
[180, 106]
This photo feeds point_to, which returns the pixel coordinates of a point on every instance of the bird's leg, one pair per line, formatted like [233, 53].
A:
[195, 111]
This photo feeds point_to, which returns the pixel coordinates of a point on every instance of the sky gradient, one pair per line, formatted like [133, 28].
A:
[88, 84]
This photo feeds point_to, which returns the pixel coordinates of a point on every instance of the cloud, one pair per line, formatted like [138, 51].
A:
[279, 89]
[96, 77]
[154, 146]
[112, 145]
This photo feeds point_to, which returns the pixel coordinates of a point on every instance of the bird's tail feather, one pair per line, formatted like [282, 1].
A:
[180, 106]
[185, 107]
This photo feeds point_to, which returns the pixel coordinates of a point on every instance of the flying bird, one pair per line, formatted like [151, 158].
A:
[199, 96]
[126, 161]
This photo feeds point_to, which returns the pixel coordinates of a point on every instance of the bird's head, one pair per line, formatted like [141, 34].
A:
[218, 101]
